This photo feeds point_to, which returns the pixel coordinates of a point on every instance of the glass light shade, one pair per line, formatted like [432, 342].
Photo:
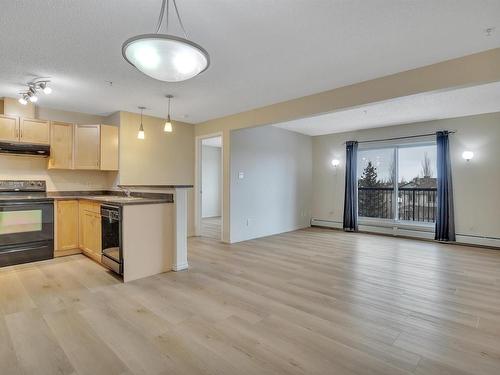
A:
[168, 127]
[140, 134]
[23, 101]
[467, 155]
[47, 90]
[165, 57]
[335, 162]
[33, 99]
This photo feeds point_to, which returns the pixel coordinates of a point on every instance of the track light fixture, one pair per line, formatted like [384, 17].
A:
[31, 94]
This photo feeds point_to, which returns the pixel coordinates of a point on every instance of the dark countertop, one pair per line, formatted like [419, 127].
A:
[103, 196]
[157, 186]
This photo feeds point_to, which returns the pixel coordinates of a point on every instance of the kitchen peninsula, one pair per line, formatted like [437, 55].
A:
[132, 234]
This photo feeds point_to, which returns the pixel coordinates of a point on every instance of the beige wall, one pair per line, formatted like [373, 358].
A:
[12, 107]
[480, 68]
[34, 168]
[67, 116]
[477, 206]
[160, 159]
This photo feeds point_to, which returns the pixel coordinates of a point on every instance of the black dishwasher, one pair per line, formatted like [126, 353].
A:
[111, 226]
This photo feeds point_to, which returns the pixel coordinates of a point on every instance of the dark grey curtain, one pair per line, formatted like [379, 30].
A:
[351, 188]
[445, 221]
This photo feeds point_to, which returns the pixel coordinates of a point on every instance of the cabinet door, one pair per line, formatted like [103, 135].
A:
[87, 146]
[34, 131]
[61, 145]
[109, 148]
[9, 128]
[96, 243]
[66, 226]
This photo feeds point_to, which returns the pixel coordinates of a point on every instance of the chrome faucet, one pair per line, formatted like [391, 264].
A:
[125, 190]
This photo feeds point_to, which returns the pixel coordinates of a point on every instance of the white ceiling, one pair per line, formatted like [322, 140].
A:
[262, 51]
[405, 110]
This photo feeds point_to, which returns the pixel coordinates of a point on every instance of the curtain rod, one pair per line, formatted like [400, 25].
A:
[406, 137]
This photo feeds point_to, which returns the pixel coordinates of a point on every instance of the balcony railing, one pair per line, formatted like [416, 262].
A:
[413, 204]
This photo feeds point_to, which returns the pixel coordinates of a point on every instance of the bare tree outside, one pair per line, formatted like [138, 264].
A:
[427, 166]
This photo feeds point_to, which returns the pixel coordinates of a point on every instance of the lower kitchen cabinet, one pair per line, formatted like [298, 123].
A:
[66, 241]
[90, 229]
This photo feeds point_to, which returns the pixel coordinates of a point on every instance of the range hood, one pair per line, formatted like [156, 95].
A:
[24, 149]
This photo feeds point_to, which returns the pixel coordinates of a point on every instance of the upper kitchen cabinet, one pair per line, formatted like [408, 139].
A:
[83, 146]
[61, 145]
[9, 128]
[109, 147]
[87, 146]
[34, 131]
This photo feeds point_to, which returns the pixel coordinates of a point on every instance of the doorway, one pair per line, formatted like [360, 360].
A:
[209, 187]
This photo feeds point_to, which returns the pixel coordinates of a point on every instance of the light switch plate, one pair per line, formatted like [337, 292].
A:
[241, 175]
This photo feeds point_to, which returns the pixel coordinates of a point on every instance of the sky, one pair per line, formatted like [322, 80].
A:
[410, 161]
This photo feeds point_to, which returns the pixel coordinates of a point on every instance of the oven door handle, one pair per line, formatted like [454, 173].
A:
[20, 204]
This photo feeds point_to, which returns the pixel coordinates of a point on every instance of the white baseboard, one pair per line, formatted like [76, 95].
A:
[327, 223]
[478, 240]
[180, 267]
[414, 232]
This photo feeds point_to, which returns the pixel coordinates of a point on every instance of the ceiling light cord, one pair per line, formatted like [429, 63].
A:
[169, 108]
[180, 20]
[165, 5]
[160, 18]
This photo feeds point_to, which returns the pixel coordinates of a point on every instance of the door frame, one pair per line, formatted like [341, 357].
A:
[198, 182]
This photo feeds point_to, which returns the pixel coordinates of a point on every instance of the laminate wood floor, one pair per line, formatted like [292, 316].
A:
[307, 302]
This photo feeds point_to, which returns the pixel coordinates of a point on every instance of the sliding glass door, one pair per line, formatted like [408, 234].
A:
[397, 183]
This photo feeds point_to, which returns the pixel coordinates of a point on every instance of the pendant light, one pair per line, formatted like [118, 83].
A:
[168, 124]
[166, 57]
[140, 133]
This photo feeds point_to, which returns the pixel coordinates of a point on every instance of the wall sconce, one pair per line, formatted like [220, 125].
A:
[467, 155]
[335, 163]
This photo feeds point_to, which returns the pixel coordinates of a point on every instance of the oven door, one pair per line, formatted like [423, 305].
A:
[23, 222]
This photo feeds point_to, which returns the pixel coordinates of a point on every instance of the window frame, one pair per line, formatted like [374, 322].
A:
[396, 146]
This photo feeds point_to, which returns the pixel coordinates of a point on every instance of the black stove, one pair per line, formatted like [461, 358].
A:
[26, 222]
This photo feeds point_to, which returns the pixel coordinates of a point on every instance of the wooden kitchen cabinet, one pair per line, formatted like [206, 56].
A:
[34, 131]
[87, 146]
[109, 148]
[90, 229]
[61, 145]
[9, 128]
[66, 241]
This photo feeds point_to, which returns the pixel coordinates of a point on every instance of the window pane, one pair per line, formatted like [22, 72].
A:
[417, 183]
[376, 183]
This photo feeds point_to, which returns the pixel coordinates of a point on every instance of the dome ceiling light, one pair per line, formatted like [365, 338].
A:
[166, 57]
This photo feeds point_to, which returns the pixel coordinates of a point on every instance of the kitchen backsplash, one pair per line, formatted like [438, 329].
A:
[34, 168]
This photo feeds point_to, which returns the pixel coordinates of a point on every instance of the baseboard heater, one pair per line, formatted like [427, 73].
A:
[395, 230]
